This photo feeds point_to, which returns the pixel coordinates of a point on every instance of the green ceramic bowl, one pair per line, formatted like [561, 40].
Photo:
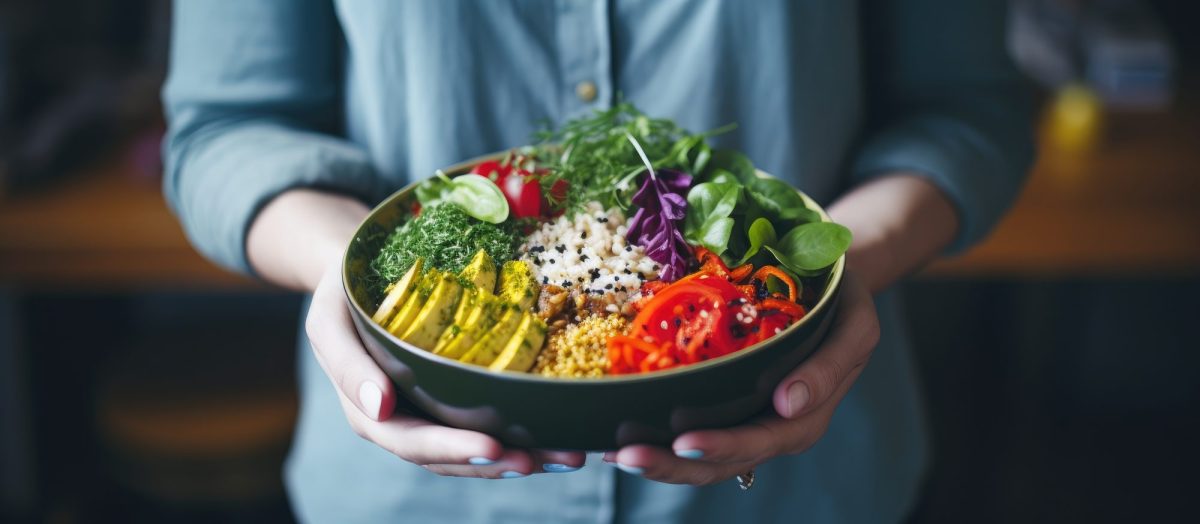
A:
[527, 410]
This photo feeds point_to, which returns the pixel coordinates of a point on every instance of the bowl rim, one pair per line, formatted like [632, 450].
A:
[828, 295]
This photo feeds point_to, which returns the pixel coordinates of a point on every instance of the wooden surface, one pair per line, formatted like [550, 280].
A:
[101, 230]
[1130, 206]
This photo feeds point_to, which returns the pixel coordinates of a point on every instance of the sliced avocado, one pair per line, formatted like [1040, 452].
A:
[437, 312]
[517, 284]
[416, 299]
[398, 294]
[466, 306]
[481, 271]
[523, 347]
[483, 317]
[487, 348]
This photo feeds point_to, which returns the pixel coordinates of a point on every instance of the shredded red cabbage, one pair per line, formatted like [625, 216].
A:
[658, 224]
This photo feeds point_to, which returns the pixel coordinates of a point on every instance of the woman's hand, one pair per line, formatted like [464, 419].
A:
[296, 241]
[368, 399]
[804, 403]
[899, 222]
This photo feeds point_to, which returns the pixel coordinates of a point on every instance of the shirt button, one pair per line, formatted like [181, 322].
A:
[586, 91]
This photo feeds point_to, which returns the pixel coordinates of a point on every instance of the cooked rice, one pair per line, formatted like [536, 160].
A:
[587, 253]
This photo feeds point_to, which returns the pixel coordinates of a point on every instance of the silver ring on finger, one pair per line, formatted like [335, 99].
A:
[746, 480]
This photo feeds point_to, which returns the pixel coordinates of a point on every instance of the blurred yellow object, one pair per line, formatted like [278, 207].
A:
[1076, 119]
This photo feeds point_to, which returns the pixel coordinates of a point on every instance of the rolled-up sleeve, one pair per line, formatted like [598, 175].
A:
[253, 101]
[945, 101]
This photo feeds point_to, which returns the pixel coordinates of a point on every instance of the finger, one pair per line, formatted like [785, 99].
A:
[659, 464]
[764, 438]
[423, 442]
[755, 441]
[513, 464]
[558, 461]
[340, 353]
[848, 347]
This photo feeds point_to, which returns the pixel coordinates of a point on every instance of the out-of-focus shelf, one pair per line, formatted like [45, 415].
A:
[101, 230]
[1130, 206]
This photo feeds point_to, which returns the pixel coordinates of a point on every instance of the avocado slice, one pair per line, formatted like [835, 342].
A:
[398, 294]
[437, 312]
[517, 284]
[487, 311]
[523, 347]
[487, 348]
[416, 299]
[481, 272]
[466, 306]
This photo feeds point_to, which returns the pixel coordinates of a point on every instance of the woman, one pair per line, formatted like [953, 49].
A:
[288, 119]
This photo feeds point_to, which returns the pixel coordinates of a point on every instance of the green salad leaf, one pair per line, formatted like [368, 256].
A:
[739, 215]
[708, 221]
[810, 248]
[760, 234]
[476, 195]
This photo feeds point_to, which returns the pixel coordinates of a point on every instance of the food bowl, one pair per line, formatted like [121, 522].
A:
[528, 410]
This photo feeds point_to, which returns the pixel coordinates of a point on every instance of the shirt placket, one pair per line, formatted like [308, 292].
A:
[586, 83]
[585, 56]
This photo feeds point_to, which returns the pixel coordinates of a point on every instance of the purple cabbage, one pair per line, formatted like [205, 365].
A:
[658, 224]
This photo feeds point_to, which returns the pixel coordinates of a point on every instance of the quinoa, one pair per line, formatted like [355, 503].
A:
[580, 350]
[587, 254]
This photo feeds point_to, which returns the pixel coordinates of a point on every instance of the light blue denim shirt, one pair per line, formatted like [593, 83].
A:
[364, 96]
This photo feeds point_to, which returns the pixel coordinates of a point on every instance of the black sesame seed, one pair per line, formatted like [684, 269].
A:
[628, 248]
[583, 235]
[545, 280]
[560, 248]
[583, 257]
[608, 286]
[678, 321]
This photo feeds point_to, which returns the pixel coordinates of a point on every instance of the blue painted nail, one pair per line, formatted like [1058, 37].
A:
[632, 470]
[481, 461]
[558, 468]
[689, 453]
[512, 474]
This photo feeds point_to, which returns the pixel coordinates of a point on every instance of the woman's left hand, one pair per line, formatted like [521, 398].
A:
[804, 403]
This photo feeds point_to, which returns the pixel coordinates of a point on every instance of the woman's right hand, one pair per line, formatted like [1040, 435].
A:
[368, 399]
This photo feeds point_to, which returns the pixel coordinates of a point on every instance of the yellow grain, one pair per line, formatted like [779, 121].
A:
[580, 350]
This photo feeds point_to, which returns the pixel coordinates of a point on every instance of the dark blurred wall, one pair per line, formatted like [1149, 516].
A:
[76, 78]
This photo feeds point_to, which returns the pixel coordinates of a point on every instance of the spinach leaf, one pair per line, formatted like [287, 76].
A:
[809, 248]
[760, 234]
[780, 201]
[732, 162]
[708, 221]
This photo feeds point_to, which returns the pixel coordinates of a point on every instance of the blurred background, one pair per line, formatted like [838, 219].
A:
[140, 383]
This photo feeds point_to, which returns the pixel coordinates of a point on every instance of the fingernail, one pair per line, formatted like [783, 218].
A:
[558, 468]
[370, 397]
[481, 461]
[797, 398]
[632, 470]
[512, 475]
[609, 457]
[689, 453]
